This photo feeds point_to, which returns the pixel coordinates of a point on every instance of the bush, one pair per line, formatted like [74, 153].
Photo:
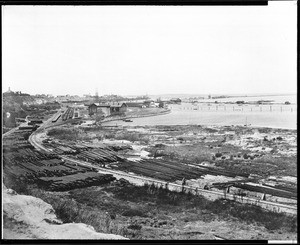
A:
[133, 212]
[218, 154]
[64, 133]
[74, 208]
[245, 156]
[134, 227]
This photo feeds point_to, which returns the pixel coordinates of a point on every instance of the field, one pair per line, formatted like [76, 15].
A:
[148, 212]
[238, 157]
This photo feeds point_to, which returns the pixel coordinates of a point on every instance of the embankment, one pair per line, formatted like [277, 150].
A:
[27, 217]
[164, 112]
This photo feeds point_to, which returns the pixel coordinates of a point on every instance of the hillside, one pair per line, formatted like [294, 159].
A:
[27, 217]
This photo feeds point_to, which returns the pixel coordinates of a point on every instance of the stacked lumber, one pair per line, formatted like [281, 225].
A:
[99, 156]
[169, 170]
[68, 114]
[74, 181]
[23, 162]
[267, 190]
[56, 118]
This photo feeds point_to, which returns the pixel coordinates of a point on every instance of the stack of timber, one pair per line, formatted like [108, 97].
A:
[99, 156]
[168, 170]
[22, 162]
[74, 181]
[68, 114]
[95, 155]
[291, 194]
[56, 118]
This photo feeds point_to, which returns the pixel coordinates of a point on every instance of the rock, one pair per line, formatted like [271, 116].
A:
[12, 192]
[32, 218]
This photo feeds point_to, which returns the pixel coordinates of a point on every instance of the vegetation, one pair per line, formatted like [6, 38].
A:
[17, 107]
[124, 209]
[71, 134]
[131, 136]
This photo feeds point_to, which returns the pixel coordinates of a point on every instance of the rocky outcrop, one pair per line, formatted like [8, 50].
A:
[27, 217]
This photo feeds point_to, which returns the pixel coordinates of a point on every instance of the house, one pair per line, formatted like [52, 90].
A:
[117, 108]
[175, 100]
[113, 108]
[149, 103]
[162, 104]
[99, 107]
[135, 104]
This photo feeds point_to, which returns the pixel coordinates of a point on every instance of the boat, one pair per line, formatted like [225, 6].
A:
[127, 120]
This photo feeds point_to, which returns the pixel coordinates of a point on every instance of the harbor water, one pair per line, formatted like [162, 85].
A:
[276, 115]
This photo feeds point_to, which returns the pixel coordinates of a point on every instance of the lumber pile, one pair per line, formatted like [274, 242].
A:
[74, 181]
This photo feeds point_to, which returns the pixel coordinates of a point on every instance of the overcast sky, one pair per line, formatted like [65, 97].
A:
[130, 50]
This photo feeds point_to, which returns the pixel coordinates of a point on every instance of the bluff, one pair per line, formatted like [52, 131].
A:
[27, 217]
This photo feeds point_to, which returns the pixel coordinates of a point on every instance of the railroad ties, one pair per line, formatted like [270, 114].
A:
[68, 114]
[75, 181]
[56, 118]
[291, 193]
[168, 170]
[21, 162]
[95, 155]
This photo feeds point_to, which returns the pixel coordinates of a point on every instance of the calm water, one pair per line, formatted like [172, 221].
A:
[276, 99]
[292, 98]
[274, 116]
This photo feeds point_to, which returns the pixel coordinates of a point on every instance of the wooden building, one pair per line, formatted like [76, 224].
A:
[118, 108]
[175, 100]
[113, 108]
[99, 107]
[135, 104]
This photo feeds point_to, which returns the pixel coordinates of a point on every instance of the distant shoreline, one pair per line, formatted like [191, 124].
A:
[137, 116]
[228, 95]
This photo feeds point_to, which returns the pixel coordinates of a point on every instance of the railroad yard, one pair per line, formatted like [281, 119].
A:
[244, 159]
[248, 162]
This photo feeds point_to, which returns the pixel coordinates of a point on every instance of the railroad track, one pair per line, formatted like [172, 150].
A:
[213, 195]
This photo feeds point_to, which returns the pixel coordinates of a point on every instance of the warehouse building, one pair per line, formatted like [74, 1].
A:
[114, 108]
[99, 107]
[117, 108]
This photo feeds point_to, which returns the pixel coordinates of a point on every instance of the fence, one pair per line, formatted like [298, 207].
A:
[239, 108]
[209, 194]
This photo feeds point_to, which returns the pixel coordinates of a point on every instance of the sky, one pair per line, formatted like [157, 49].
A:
[138, 50]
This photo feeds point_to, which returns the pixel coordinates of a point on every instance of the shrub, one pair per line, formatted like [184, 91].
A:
[134, 227]
[218, 154]
[245, 156]
[134, 212]
[76, 210]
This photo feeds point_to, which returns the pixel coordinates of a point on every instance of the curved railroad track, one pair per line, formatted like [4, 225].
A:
[140, 180]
